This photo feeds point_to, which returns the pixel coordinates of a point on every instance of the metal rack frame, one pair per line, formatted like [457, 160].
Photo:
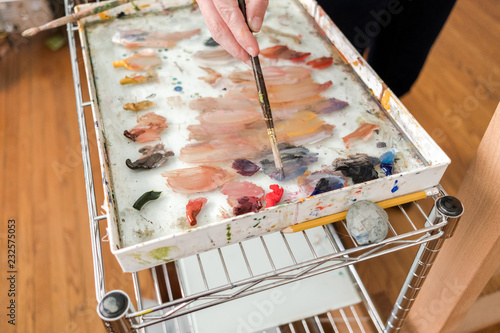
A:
[440, 224]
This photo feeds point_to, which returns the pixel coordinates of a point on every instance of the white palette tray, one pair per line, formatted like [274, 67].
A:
[159, 233]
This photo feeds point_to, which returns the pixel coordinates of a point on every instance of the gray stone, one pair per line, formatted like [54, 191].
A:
[367, 223]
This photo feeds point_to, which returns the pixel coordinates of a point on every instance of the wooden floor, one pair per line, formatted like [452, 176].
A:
[42, 187]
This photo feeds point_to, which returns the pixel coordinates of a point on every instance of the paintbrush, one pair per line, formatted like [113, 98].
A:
[96, 9]
[264, 101]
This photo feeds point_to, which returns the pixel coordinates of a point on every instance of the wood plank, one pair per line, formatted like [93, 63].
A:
[484, 313]
[469, 259]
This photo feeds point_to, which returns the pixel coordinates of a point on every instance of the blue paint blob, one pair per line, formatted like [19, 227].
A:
[328, 184]
[386, 162]
[395, 188]
[178, 88]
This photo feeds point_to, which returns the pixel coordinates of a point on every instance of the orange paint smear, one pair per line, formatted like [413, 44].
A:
[212, 76]
[283, 52]
[202, 178]
[138, 79]
[224, 142]
[320, 63]
[193, 208]
[363, 132]
[139, 62]
[148, 128]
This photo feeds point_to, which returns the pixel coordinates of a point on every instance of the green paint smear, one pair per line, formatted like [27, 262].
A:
[136, 7]
[160, 253]
[228, 234]
[261, 98]
[256, 224]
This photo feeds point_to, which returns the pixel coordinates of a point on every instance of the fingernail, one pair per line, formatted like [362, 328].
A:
[251, 51]
[255, 24]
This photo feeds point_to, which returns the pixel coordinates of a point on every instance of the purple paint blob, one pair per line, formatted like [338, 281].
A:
[247, 205]
[295, 162]
[335, 105]
[245, 167]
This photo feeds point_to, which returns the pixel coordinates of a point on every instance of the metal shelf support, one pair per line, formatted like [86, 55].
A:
[446, 208]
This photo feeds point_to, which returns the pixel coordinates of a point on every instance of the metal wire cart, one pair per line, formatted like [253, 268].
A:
[175, 302]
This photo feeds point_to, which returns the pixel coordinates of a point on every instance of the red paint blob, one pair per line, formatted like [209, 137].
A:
[272, 198]
[320, 63]
[193, 208]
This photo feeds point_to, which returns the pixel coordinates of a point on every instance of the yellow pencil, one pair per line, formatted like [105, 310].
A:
[340, 216]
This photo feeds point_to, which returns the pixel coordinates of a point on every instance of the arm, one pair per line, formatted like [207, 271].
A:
[227, 25]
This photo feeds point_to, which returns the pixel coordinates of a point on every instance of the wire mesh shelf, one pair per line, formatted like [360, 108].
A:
[181, 302]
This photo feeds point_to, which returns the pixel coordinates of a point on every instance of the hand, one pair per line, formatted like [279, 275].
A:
[227, 25]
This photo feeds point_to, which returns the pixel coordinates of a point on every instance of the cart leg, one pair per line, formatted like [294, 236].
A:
[446, 208]
[113, 309]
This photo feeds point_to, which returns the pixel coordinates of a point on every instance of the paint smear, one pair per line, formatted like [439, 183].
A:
[309, 181]
[152, 157]
[273, 75]
[148, 128]
[236, 190]
[231, 118]
[364, 132]
[320, 63]
[230, 103]
[140, 38]
[139, 106]
[203, 178]
[139, 62]
[217, 56]
[220, 150]
[139, 79]
[283, 52]
[193, 208]
[245, 167]
[359, 167]
[273, 197]
[295, 162]
[212, 75]
[268, 30]
[306, 88]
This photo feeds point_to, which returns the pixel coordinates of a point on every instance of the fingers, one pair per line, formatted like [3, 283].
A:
[255, 13]
[228, 27]
[232, 16]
